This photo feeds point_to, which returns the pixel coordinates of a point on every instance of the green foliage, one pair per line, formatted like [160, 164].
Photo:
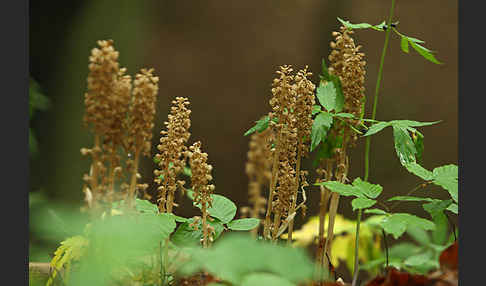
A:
[351, 26]
[408, 150]
[359, 188]
[326, 94]
[189, 236]
[37, 101]
[396, 224]
[243, 224]
[290, 264]
[362, 203]
[265, 279]
[444, 176]
[70, 250]
[221, 208]
[321, 125]
[260, 125]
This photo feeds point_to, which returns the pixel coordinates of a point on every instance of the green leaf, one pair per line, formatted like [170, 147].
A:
[339, 105]
[222, 208]
[343, 115]
[412, 123]
[404, 146]
[144, 206]
[375, 211]
[316, 109]
[265, 279]
[415, 40]
[348, 25]
[397, 223]
[320, 126]
[411, 199]
[404, 44]
[418, 259]
[447, 177]
[186, 235]
[427, 54]
[436, 207]
[243, 224]
[439, 236]
[342, 189]
[453, 208]
[325, 72]
[370, 190]
[418, 140]
[419, 235]
[258, 256]
[420, 171]
[375, 128]
[362, 203]
[326, 94]
[260, 125]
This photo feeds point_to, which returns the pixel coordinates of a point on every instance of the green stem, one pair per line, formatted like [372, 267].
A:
[368, 139]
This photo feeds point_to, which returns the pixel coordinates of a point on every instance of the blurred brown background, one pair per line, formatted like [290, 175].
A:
[223, 55]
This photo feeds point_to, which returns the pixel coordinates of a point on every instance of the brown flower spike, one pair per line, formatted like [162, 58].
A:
[171, 157]
[201, 176]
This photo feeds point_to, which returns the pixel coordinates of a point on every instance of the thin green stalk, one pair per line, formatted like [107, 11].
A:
[368, 139]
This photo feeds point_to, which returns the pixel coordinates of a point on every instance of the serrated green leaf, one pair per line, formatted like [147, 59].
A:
[266, 279]
[411, 199]
[243, 224]
[396, 224]
[320, 126]
[375, 128]
[427, 54]
[326, 94]
[362, 203]
[420, 171]
[375, 211]
[447, 177]
[368, 189]
[404, 146]
[342, 189]
[339, 105]
[404, 44]
[316, 109]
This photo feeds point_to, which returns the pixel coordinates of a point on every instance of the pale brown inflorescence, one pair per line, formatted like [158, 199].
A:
[201, 176]
[142, 111]
[171, 157]
[140, 123]
[258, 169]
[304, 90]
[285, 151]
[106, 102]
[348, 64]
